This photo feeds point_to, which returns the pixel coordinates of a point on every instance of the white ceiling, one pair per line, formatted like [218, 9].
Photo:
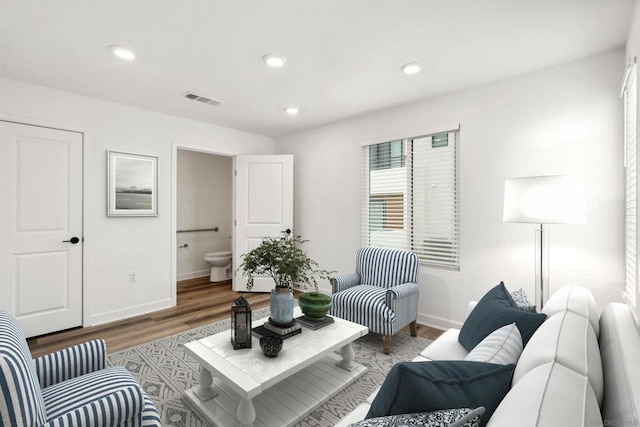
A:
[343, 57]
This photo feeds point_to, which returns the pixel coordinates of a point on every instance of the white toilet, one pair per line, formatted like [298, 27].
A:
[220, 265]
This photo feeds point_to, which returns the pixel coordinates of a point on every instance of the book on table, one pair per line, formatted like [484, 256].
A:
[312, 324]
[269, 329]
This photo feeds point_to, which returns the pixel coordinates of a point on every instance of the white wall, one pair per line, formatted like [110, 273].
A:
[204, 201]
[115, 246]
[563, 120]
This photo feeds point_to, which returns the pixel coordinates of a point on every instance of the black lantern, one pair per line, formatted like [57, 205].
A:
[240, 324]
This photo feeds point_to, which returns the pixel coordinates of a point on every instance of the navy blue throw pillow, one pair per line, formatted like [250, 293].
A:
[495, 310]
[430, 386]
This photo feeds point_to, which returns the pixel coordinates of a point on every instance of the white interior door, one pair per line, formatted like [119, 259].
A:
[263, 208]
[41, 227]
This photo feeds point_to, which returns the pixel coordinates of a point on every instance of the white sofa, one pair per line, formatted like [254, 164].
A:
[578, 369]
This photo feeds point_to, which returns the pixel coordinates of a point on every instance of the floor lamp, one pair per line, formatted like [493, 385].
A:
[544, 200]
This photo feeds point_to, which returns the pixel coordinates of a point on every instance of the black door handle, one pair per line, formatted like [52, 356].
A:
[72, 240]
[287, 231]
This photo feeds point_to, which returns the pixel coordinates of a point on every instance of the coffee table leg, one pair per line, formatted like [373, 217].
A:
[205, 380]
[347, 358]
[246, 412]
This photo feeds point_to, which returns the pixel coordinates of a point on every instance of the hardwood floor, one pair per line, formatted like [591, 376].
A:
[199, 302]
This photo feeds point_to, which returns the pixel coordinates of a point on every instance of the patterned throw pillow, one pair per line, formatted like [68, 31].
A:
[461, 417]
[522, 302]
[503, 346]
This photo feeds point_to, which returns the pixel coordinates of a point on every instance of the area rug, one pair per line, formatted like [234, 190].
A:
[164, 370]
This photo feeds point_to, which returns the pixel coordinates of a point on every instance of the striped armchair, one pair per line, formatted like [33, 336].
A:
[382, 294]
[68, 388]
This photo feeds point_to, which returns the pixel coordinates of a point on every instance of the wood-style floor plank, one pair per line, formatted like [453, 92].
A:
[199, 303]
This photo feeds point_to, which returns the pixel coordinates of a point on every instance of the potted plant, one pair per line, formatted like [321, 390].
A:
[287, 264]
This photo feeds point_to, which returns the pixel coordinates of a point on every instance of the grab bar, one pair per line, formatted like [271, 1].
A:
[198, 229]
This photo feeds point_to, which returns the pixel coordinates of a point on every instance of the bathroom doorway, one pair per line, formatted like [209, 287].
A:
[204, 210]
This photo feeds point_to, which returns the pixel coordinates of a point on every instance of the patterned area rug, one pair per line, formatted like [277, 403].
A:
[164, 370]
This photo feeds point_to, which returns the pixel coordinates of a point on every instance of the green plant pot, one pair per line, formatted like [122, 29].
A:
[314, 305]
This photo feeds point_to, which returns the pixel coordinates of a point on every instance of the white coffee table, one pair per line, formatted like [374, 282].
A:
[244, 387]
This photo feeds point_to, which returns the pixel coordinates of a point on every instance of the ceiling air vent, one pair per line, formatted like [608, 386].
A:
[203, 99]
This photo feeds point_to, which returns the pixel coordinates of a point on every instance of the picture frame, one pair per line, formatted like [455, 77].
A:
[132, 181]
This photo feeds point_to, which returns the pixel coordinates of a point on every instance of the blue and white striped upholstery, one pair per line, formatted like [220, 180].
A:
[365, 305]
[71, 362]
[68, 388]
[383, 292]
[345, 281]
[111, 395]
[150, 415]
[386, 267]
[21, 403]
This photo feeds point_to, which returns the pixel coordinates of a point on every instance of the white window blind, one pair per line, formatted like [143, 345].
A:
[630, 94]
[410, 197]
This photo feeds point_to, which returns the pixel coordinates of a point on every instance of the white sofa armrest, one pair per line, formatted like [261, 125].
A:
[446, 347]
[471, 306]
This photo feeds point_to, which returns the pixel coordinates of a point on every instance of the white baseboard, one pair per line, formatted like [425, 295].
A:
[112, 316]
[192, 275]
[437, 322]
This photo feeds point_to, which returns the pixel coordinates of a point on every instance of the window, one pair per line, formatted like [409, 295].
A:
[630, 94]
[387, 155]
[386, 211]
[410, 198]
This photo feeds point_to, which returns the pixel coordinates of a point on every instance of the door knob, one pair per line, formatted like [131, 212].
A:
[72, 240]
[287, 231]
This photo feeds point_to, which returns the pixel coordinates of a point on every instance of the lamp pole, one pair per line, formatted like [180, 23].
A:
[542, 266]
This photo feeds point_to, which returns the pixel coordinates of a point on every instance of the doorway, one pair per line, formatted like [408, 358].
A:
[204, 210]
[247, 196]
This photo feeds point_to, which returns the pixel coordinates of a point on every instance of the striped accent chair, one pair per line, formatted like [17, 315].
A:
[382, 294]
[71, 387]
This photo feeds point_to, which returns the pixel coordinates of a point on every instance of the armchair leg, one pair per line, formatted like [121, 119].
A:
[386, 343]
[412, 329]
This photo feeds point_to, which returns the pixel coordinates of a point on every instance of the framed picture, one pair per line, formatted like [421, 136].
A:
[132, 184]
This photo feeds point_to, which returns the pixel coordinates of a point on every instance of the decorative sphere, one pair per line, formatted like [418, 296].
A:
[271, 345]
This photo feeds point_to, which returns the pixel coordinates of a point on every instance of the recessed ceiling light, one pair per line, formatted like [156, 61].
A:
[123, 52]
[292, 110]
[411, 68]
[274, 60]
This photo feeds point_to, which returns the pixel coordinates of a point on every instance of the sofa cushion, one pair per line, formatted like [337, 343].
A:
[365, 304]
[494, 310]
[504, 346]
[442, 385]
[458, 417]
[576, 299]
[549, 395]
[569, 340]
[620, 347]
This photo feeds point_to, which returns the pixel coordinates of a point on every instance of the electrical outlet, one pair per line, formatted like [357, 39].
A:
[133, 275]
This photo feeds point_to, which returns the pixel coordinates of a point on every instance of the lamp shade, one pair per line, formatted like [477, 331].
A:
[545, 200]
